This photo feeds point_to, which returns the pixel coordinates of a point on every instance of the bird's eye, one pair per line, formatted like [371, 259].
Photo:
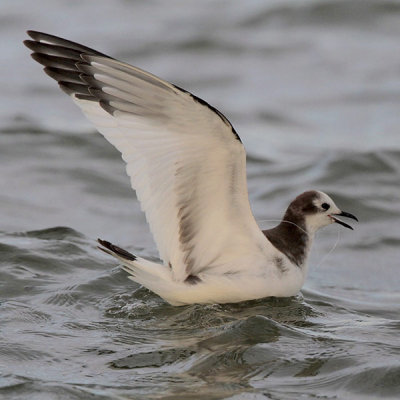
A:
[325, 206]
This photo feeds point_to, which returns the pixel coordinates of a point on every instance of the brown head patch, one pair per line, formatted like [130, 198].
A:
[304, 203]
[290, 236]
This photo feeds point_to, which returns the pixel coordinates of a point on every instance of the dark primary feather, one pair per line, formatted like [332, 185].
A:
[49, 60]
[55, 40]
[64, 61]
[74, 88]
[63, 75]
[69, 63]
[46, 48]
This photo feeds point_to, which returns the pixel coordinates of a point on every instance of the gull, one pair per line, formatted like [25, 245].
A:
[187, 165]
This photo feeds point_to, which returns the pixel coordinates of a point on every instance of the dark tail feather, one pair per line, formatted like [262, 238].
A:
[111, 249]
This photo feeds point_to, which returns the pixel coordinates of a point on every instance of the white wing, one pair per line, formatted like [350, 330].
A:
[185, 161]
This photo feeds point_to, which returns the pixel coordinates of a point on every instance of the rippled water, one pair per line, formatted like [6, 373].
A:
[313, 88]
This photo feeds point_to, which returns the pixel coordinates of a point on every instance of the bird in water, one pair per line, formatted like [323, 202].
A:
[188, 167]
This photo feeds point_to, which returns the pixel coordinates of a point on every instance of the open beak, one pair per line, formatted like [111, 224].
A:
[343, 214]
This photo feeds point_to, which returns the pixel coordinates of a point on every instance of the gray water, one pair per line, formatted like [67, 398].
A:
[313, 89]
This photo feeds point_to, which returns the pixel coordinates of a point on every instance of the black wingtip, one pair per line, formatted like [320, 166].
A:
[74, 88]
[115, 250]
[37, 36]
[31, 33]
[58, 41]
[103, 242]
[29, 43]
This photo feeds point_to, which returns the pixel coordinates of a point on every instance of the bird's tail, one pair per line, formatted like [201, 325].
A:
[156, 277]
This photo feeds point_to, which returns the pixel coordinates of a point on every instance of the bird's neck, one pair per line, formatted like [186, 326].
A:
[292, 238]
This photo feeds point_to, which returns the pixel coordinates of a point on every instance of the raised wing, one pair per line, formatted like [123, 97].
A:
[184, 159]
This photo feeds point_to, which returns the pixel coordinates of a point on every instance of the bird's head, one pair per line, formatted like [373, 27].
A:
[316, 210]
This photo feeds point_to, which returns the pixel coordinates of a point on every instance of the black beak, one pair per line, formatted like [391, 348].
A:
[344, 214]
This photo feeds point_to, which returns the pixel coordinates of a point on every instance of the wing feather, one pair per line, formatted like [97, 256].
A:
[184, 159]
